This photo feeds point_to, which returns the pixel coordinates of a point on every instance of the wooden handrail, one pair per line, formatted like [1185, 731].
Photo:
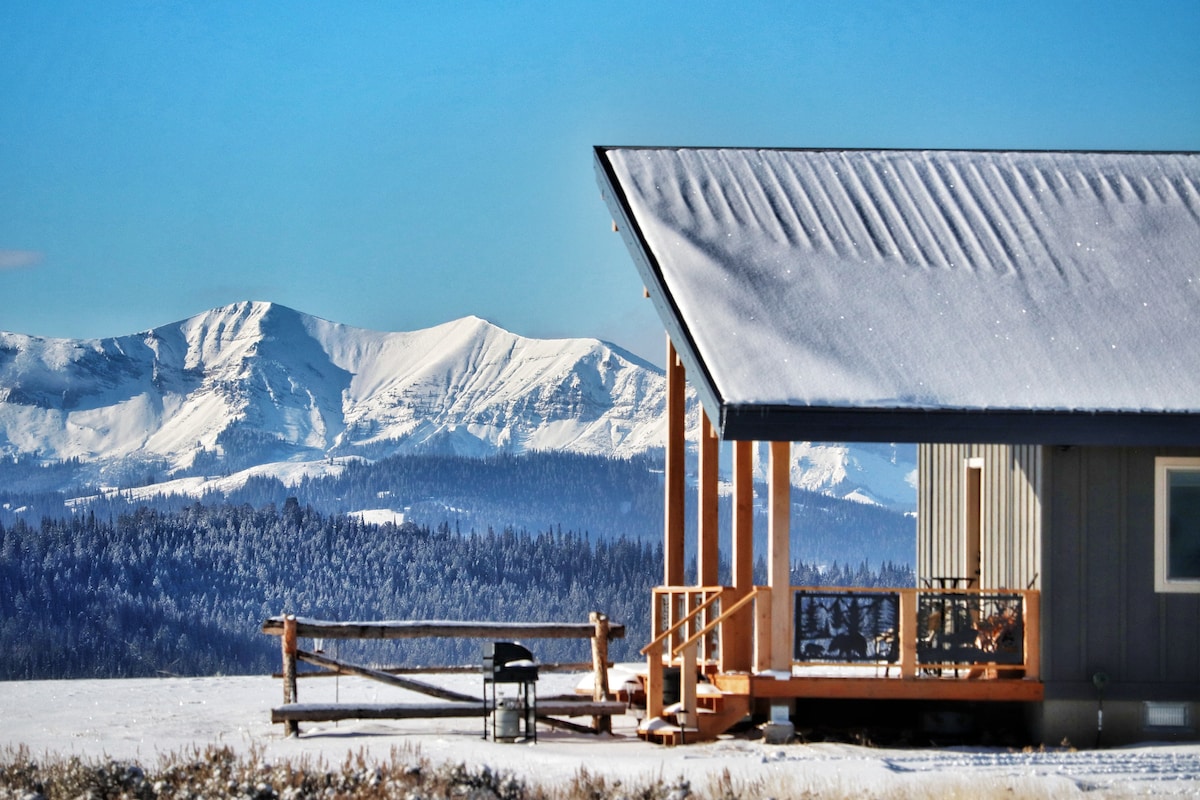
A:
[974, 590]
[658, 640]
[700, 634]
[417, 629]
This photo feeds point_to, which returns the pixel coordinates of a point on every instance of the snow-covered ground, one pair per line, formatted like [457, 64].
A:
[140, 719]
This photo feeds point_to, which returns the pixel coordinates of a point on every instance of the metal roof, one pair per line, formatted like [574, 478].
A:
[902, 295]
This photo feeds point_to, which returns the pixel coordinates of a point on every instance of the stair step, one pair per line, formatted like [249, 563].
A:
[709, 723]
[660, 731]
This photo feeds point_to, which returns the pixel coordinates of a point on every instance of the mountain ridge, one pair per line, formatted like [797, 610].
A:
[255, 382]
[316, 388]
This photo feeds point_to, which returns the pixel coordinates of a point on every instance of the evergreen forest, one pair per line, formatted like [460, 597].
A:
[117, 587]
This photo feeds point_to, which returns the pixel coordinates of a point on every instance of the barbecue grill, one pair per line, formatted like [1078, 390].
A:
[509, 662]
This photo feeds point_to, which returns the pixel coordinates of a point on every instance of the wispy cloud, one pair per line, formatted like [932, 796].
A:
[16, 259]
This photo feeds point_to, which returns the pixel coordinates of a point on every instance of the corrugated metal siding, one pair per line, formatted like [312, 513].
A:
[1100, 612]
[1026, 540]
[1010, 513]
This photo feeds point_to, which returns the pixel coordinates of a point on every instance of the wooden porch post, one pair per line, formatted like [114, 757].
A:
[673, 544]
[743, 515]
[737, 642]
[908, 633]
[707, 560]
[779, 560]
[673, 548]
[707, 556]
[1033, 635]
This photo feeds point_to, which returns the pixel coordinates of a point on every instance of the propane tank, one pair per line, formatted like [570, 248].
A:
[507, 719]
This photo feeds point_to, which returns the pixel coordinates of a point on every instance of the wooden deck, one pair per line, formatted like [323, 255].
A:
[931, 644]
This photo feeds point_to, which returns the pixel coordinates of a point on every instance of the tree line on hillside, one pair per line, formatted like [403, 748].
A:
[605, 498]
[154, 592]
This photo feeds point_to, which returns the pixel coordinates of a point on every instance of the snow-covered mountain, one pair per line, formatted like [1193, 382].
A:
[255, 383]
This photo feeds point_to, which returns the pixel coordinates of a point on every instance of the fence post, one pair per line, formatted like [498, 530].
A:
[602, 724]
[289, 669]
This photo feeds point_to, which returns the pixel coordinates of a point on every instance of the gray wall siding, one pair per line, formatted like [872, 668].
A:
[1100, 612]
[1011, 513]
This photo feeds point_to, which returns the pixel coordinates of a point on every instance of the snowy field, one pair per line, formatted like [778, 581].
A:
[142, 719]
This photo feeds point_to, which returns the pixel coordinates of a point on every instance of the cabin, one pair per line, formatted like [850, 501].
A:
[1031, 320]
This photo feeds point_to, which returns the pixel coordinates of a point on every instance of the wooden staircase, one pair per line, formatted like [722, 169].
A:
[716, 712]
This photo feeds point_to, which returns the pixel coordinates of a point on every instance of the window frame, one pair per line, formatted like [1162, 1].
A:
[1163, 465]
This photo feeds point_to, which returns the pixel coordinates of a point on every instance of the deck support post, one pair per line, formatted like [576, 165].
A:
[779, 561]
[602, 724]
[290, 647]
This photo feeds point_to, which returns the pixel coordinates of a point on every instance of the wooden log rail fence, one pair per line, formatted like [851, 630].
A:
[291, 628]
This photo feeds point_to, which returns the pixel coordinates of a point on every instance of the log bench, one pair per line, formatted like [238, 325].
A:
[335, 712]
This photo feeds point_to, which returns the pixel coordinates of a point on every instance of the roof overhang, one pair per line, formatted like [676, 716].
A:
[867, 420]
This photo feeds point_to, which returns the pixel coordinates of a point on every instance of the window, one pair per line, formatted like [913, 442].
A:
[1177, 524]
[1167, 717]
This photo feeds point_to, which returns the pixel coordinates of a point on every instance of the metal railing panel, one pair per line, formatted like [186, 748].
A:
[838, 627]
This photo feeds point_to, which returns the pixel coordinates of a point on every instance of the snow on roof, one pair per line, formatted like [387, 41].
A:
[924, 295]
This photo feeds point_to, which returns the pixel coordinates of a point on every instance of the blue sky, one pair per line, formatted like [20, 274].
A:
[397, 165]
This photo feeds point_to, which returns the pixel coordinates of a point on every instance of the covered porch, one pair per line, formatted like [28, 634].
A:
[720, 652]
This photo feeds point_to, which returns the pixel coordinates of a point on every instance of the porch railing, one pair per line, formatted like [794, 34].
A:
[923, 633]
[684, 623]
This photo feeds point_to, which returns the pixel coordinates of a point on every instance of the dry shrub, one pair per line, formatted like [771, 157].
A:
[219, 772]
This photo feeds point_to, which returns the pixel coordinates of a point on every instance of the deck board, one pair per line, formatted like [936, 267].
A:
[882, 688]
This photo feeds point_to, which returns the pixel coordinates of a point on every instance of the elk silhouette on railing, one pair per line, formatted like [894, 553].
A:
[970, 628]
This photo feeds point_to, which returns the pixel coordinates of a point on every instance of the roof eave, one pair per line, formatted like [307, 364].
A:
[992, 426]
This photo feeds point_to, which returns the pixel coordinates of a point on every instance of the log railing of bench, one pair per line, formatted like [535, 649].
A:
[291, 628]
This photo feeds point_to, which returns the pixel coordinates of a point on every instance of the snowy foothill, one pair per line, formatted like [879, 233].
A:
[143, 719]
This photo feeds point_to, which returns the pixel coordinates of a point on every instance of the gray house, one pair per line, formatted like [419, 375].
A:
[1032, 320]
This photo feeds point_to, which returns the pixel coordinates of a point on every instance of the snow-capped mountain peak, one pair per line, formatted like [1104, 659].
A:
[258, 381]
